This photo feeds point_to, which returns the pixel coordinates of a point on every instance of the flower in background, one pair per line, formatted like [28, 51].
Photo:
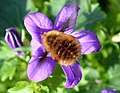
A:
[108, 91]
[13, 39]
[42, 63]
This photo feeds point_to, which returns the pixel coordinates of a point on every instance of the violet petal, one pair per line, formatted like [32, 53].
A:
[88, 40]
[67, 13]
[35, 45]
[40, 68]
[108, 91]
[73, 75]
[13, 39]
[37, 23]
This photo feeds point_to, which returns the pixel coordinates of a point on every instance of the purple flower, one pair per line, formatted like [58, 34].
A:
[108, 91]
[42, 63]
[13, 39]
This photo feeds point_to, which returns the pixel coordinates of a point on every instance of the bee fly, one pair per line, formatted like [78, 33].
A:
[64, 48]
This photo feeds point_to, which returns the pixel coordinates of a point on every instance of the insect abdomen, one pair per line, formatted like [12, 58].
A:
[64, 48]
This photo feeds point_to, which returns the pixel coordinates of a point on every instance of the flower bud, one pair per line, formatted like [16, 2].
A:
[13, 39]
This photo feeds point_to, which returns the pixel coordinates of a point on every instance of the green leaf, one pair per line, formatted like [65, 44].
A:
[92, 73]
[21, 87]
[38, 4]
[30, 6]
[54, 7]
[23, 48]
[6, 51]
[7, 71]
[2, 87]
[44, 89]
[12, 13]
[90, 14]
[59, 4]
[113, 16]
[55, 80]
[114, 77]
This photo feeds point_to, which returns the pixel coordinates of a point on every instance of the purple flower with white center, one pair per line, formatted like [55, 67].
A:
[108, 91]
[42, 63]
[13, 39]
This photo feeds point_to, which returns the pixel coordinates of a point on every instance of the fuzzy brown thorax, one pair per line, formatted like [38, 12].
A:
[64, 48]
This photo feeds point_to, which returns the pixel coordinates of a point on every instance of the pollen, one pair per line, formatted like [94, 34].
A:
[64, 48]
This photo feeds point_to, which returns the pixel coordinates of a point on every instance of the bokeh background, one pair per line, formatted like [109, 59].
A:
[100, 70]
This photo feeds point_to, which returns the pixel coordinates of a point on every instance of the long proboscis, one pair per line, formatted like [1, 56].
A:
[69, 22]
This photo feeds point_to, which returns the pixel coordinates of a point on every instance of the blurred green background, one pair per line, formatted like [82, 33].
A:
[100, 70]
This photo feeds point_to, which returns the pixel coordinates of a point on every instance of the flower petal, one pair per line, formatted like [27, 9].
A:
[73, 75]
[40, 68]
[35, 45]
[108, 91]
[66, 19]
[88, 41]
[13, 39]
[37, 23]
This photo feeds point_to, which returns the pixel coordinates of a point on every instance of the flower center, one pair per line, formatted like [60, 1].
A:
[64, 48]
